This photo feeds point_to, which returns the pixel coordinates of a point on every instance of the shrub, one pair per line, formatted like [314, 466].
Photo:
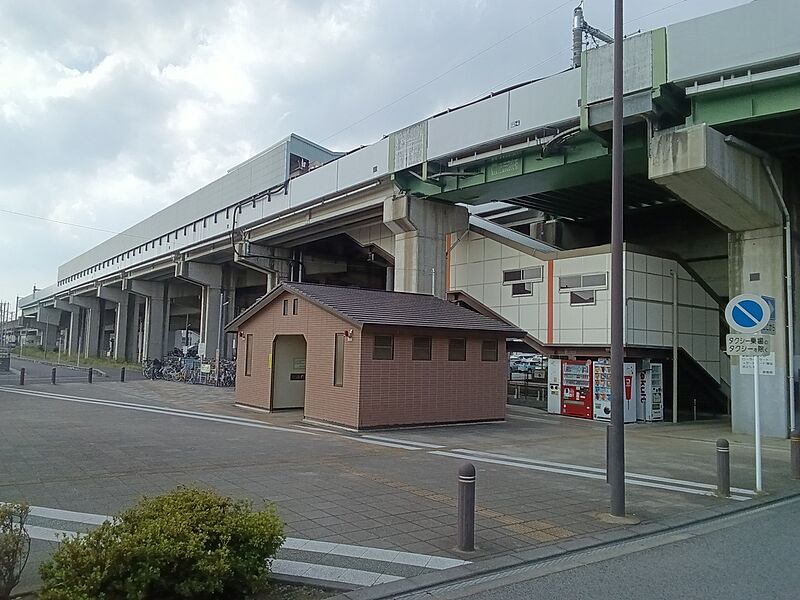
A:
[188, 543]
[15, 545]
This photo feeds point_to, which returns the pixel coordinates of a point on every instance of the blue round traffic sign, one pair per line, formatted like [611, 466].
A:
[747, 313]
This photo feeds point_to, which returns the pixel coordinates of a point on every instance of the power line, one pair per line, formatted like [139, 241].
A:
[448, 71]
[19, 214]
[500, 85]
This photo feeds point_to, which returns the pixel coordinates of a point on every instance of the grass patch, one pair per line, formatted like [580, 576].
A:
[50, 356]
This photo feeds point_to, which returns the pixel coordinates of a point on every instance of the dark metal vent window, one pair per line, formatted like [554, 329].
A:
[582, 298]
[338, 361]
[383, 348]
[248, 355]
[421, 349]
[457, 349]
[489, 350]
[522, 289]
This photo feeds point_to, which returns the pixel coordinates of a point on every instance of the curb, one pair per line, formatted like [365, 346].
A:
[531, 556]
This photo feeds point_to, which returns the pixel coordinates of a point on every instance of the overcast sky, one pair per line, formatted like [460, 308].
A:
[110, 110]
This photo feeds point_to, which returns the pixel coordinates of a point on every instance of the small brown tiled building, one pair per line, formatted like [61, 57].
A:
[366, 359]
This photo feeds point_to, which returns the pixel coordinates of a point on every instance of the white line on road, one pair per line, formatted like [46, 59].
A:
[379, 443]
[47, 534]
[69, 515]
[576, 473]
[318, 547]
[406, 442]
[697, 484]
[173, 412]
[367, 553]
[358, 577]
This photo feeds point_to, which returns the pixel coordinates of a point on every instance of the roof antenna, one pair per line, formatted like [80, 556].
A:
[581, 29]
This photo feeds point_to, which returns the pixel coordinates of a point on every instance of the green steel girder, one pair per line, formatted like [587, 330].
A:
[751, 102]
[583, 159]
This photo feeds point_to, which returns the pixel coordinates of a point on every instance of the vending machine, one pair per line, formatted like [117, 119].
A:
[651, 393]
[602, 391]
[554, 386]
[576, 388]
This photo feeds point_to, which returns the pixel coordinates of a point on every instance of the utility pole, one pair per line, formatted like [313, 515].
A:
[615, 462]
[581, 28]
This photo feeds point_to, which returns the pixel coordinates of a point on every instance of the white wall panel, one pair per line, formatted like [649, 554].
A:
[364, 164]
[313, 184]
[546, 102]
[731, 39]
[468, 127]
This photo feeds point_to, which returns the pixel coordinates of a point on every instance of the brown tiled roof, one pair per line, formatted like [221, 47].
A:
[376, 307]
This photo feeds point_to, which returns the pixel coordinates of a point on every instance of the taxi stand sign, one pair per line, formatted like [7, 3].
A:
[741, 344]
[749, 314]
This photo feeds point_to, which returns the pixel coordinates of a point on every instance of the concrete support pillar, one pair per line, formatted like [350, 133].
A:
[420, 229]
[209, 277]
[121, 298]
[135, 305]
[756, 266]
[89, 343]
[154, 334]
[730, 186]
[51, 319]
[74, 334]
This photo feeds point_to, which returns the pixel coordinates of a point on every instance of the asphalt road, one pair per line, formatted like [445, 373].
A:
[755, 557]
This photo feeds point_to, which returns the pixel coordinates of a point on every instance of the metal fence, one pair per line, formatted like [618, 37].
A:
[525, 389]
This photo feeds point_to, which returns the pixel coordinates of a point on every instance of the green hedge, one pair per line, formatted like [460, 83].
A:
[189, 543]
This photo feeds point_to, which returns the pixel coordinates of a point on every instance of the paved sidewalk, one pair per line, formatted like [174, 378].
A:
[96, 448]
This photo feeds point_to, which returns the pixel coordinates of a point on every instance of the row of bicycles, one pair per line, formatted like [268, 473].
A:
[191, 370]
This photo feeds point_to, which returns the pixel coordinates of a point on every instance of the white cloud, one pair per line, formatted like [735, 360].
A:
[111, 110]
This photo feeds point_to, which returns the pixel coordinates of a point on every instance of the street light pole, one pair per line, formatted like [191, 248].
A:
[616, 458]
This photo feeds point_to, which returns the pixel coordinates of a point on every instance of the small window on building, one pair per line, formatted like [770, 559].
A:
[248, 355]
[569, 282]
[522, 289]
[294, 306]
[421, 349]
[338, 361]
[285, 307]
[595, 280]
[383, 348]
[457, 349]
[526, 275]
[489, 350]
[582, 298]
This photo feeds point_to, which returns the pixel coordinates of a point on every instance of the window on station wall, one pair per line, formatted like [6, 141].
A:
[338, 361]
[294, 306]
[489, 350]
[582, 298]
[522, 280]
[421, 349]
[383, 347]
[285, 307]
[590, 281]
[457, 349]
[521, 289]
[248, 355]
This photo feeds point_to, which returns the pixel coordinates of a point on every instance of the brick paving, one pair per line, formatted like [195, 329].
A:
[334, 487]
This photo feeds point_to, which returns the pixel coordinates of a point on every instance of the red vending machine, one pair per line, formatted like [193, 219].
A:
[576, 388]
